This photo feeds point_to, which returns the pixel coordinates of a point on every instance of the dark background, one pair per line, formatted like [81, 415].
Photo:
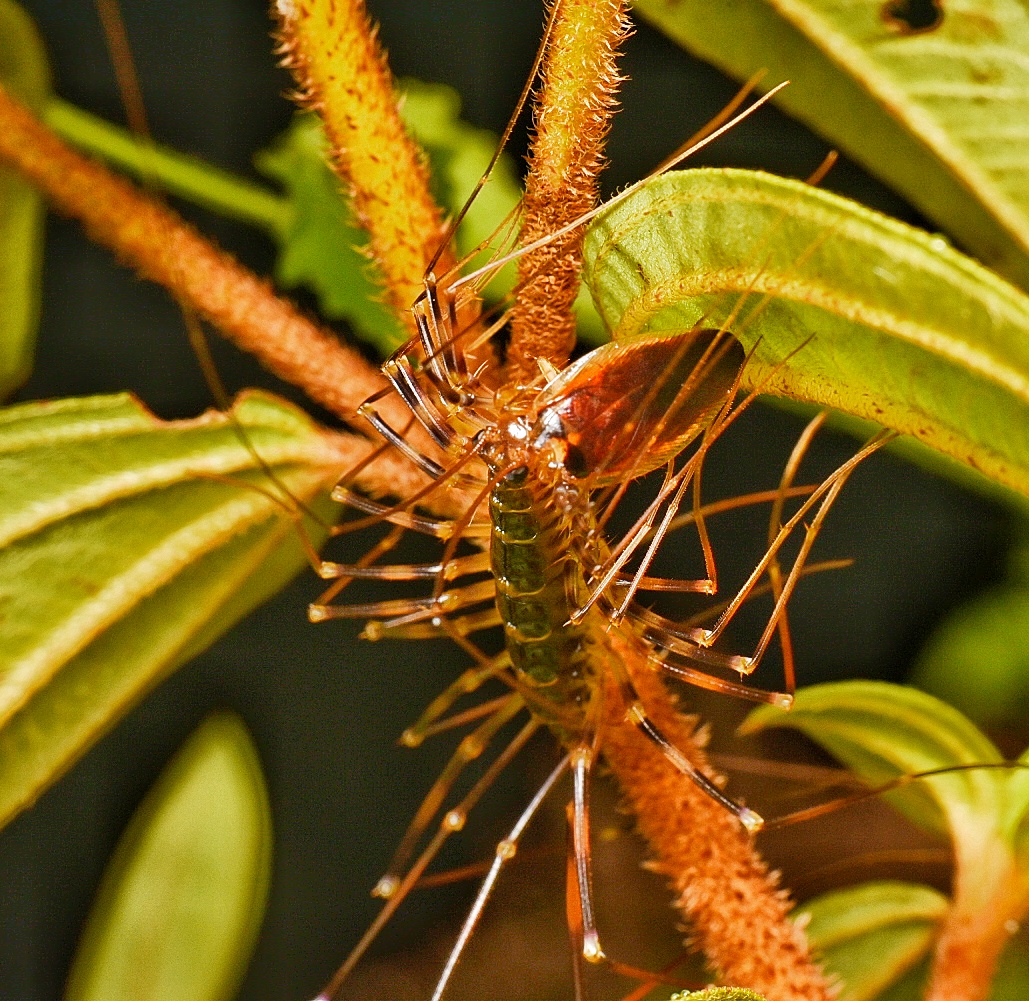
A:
[325, 709]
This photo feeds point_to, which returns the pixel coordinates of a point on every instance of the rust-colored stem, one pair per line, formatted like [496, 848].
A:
[334, 53]
[738, 915]
[164, 248]
[573, 116]
[990, 897]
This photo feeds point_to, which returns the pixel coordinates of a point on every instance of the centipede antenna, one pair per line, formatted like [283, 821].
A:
[705, 130]
[505, 851]
[622, 195]
[504, 139]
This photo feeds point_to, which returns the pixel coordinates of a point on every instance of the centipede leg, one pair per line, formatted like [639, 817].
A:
[505, 851]
[468, 682]
[822, 498]
[453, 820]
[468, 750]
[573, 910]
[582, 767]
[637, 715]
[789, 474]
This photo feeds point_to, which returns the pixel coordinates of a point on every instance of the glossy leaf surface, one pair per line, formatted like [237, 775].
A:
[129, 544]
[840, 305]
[939, 113]
[24, 70]
[870, 935]
[181, 902]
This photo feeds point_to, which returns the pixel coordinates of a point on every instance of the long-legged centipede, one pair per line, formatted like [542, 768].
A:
[726, 334]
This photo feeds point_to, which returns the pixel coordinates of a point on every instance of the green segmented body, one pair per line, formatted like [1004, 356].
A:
[536, 577]
[584, 431]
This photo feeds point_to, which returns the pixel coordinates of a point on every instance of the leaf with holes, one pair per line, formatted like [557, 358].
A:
[936, 106]
[128, 545]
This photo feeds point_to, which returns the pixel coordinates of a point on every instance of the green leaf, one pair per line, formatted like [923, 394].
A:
[129, 544]
[325, 249]
[25, 72]
[841, 305]
[182, 899]
[869, 936]
[881, 731]
[939, 115]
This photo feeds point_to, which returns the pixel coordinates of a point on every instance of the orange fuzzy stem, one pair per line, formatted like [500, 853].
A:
[333, 51]
[575, 108]
[738, 915]
[991, 897]
[162, 247]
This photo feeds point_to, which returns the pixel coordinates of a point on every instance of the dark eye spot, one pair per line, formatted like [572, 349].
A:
[912, 17]
[575, 462]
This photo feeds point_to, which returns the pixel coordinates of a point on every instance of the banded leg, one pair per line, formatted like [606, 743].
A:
[468, 750]
[637, 715]
[453, 820]
[505, 851]
[823, 497]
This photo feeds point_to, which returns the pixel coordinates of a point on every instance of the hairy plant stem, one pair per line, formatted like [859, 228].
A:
[573, 116]
[334, 53]
[737, 914]
[990, 897]
[161, 246]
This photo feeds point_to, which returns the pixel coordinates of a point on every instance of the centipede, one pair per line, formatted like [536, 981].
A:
[543, 466]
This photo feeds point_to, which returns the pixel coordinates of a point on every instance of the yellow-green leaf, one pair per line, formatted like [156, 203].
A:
[182, 899]
[881, 731]
[129, 544]
[24, 70]
[870, 935]
[841, 305]
[939, 114]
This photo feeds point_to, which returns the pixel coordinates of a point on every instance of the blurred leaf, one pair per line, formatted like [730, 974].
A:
[182, 899]
[842, 306]
[977, 659]
[939, 115]
[25, 72]
[881, 731]
[871, 935]
[129, 544]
